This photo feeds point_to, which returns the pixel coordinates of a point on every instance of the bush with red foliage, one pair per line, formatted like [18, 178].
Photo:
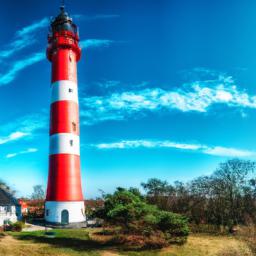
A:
[156, 241]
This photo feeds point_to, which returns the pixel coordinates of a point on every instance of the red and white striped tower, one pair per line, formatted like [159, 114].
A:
[64, 199]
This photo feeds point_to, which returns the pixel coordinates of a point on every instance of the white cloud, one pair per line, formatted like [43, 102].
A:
[146, 144]
[198, 96]
[29, 150]
[204, 149]
[222, 151]
[13, 136]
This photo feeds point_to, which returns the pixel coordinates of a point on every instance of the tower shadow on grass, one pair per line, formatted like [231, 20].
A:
[70, 243]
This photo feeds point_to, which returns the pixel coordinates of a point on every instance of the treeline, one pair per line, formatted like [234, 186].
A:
[227, 197]
[160, 217]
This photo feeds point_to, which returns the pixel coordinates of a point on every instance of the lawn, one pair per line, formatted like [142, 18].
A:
[87, 242]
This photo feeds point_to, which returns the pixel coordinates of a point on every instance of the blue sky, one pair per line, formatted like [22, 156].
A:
[167, 89]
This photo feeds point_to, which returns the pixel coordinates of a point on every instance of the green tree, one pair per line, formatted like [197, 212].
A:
[129, 210]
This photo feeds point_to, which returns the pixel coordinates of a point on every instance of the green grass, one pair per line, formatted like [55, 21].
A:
[80, 234]
[71, 241]
[84, 242]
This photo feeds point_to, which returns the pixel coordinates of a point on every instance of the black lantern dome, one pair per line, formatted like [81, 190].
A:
[63, 22]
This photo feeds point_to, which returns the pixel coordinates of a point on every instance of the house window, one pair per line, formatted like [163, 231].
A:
[6, 221]
[47, 212]
[70, 90]
[8, 208]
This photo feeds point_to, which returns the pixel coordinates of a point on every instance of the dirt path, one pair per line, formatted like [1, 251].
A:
[31, 227]
[109, 253]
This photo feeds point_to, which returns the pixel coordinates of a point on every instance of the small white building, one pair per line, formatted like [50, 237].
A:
[10, 210]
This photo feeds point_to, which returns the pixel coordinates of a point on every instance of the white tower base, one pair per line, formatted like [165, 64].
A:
[64, 212]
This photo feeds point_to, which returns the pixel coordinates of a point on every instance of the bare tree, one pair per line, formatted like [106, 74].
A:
[38, 193]
[227, 197]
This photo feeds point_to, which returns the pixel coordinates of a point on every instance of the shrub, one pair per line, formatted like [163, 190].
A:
[174, 226]
[140, 220]
[17, 226]
[156, 241]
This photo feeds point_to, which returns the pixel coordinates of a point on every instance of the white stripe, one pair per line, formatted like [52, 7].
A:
[64, 90]
[64, 143]
[75, 211]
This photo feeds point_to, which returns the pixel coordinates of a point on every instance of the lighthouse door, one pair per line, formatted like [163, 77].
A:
[64, 217]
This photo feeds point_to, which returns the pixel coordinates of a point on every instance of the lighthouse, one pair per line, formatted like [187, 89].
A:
[64, 199]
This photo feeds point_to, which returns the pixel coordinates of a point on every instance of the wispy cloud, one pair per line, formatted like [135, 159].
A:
[108, 84]
[152, 144]
[29, 150]
[20, 65]
[13, 136]
[222, 151]
[32, 27]
[23, 38]
[15, 46]
[95, 17]
[23, 127]
[26, 36]
[95, 43]
[115, 85]
[198, 96]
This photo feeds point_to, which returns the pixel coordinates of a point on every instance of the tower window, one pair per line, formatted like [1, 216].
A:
[47, 212]
[70, 90]
[74, 126]
[71, 143]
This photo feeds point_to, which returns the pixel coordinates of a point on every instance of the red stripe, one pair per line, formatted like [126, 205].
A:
[64, 117]
[64, 65]
[64, 181]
